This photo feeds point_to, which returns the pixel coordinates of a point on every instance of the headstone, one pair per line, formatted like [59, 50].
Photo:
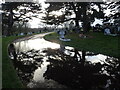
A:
[107, 31]
[29, 33]
[21, 33]
[62, 34]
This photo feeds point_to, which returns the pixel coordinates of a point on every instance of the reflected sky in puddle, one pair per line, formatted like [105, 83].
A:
[38, 74]
[97, 58]
[43, 64]
[36, 44]
[40, 44]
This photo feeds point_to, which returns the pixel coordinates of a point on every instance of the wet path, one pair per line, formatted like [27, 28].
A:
[43, 64]
[31, 37]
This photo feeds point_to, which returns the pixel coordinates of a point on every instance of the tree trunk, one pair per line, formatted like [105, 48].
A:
[84, 19]
[83, 57]
[77, 23]
[10, 24]
[77, 15]
[77, 18]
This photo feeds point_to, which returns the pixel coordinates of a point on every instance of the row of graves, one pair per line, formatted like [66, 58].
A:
[106, 28]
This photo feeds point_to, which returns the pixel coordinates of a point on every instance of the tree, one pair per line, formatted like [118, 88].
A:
[53, 19]
[86, 13]
[113, 17]
[114, 11]
[13, 12]
[83, 12]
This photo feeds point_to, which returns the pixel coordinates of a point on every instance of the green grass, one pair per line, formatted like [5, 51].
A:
[100, 43]
[9, 75]
[0, 62]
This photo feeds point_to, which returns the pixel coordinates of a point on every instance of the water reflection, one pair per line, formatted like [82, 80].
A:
[36, 44]
[72, 72]
[42, 64]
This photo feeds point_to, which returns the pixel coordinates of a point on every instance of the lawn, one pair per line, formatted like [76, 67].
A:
[98, 43]
[0, 62]
[9, 75]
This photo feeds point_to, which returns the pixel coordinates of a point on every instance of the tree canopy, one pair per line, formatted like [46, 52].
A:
[84, 12]
[114, 8]
[18, 11]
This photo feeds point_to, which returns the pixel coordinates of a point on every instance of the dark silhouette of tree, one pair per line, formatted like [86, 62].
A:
[83, 12]
[52, 19]
[112, 66]
[114, 9]
[25, 63]
[69, 71]
[12, 13]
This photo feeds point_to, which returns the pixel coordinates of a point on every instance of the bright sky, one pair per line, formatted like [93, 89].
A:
[97, 21]
[0, 1]
[36, 23]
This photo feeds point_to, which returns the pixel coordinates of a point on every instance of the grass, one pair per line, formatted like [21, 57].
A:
[9, 75]
[0, 62]
[100, 43]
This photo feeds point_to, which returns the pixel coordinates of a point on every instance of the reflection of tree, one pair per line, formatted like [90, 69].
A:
[112, 66]
[12, 51]
[67, 70]
[26, 63]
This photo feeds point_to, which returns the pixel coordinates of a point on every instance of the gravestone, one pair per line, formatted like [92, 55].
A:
[107, 31]
[62, 34]
[20, 34]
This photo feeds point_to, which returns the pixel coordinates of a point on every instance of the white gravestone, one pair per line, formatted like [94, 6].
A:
[107, 31]
[62, 34]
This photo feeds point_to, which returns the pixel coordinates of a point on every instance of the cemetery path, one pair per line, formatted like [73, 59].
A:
[31, 37]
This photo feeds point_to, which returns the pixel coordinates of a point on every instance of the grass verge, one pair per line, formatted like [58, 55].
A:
[9, 75]
[99, 43]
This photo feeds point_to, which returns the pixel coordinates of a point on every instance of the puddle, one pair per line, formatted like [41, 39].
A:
[43, 64]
